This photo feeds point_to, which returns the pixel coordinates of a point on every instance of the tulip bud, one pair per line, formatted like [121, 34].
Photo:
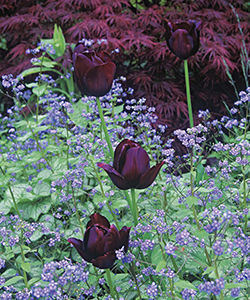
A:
[100, 242]
[183, 38]
[93, 72]
[131, 167]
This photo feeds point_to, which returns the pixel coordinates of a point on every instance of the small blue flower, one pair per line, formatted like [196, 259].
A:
[152, 290]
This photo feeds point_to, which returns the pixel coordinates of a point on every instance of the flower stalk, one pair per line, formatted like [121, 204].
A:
[104, 127]
[77, 214]
[135, 212]
[132, 270]
[113, 292]
[103, 195]
[190, 112]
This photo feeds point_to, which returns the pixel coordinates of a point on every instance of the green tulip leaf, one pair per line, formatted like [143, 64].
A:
[59, 41]
[185, 285]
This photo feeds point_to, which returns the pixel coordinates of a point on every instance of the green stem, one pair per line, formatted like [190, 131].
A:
[128, 199]
[195, 217]
[103, 194]
[113, 292]
[104, 127]
[77, 214]
[164, 254]
[170, 280]
[217, 275]
[245, 198]
[135, 212]
[190, 113]
[191, 122]
[24, 272]
[198, 226]
[132, 270]
[191, 172]
[67, 153]
[208, 257]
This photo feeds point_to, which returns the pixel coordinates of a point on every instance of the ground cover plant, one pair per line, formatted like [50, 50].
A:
[137, 29]
[94, 205]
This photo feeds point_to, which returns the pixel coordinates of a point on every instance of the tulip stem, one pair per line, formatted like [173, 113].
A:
[110, 283]
[104, 127]
[103, 195]
[191, 122]
[128, 199]
[190, 113]
[77, 214]
[135, 212]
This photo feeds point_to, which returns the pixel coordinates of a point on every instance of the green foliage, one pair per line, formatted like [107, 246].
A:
[50, 185]
[3, 44]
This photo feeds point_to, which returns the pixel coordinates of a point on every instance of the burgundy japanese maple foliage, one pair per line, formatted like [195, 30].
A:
[139, 34]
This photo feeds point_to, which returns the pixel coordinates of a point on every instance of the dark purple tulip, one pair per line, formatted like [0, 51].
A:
[131, 168]
[100, 242]
[93, 72]
[183, 38]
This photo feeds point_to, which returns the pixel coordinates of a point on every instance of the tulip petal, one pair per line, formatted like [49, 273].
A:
[100, 242]
[124, 237]
[81, 66]
[148, 177]
[181, 25]
[120, 153]
[195, 33]
[79, 48]
[111, 239]
[79, 245]
[136, 164]
[116, 177]
[94, 241]
[104, 262]
[99, 79]
[93, 72]
[183, 38]
[181, 43]
[104, 56]
[98, 219]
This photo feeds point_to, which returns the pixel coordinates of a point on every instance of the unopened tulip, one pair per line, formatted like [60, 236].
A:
[183, 38]
[100, 242]
[131, 167]
[93, 72]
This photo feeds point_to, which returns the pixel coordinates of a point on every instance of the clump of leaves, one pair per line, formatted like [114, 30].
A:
[136, 29]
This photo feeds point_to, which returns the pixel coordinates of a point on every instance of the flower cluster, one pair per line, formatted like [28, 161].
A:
[61, 151]
[192, 137]
[212, 287]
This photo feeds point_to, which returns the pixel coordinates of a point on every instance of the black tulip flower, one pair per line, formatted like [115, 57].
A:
[93, 72]
[100, 242]
[183, 38]
[131, 167]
